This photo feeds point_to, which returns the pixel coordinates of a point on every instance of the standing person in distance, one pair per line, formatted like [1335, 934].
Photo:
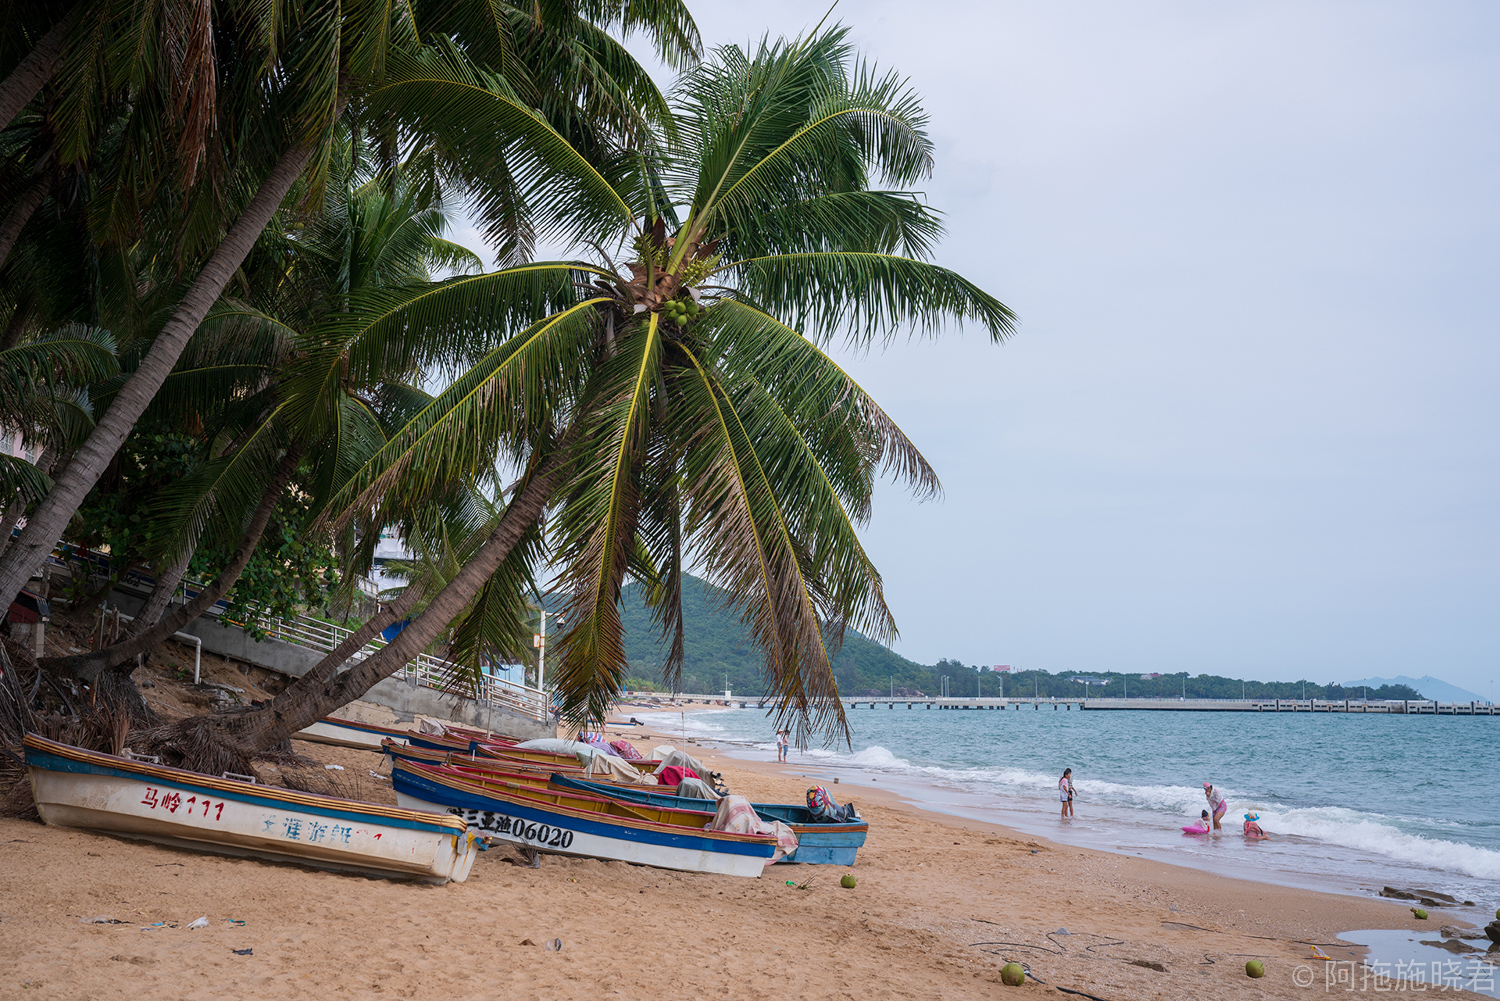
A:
[781, 745]
[1217, 804]
[1065, 792]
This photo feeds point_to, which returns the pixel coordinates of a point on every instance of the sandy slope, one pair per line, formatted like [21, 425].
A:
[940, 904]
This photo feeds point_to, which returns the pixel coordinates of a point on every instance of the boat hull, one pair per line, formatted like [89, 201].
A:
[344, 734]
[539, 825]
[78, 788]
[817, 844]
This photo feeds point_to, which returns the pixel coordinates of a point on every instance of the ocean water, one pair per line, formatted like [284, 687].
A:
[1352, 803]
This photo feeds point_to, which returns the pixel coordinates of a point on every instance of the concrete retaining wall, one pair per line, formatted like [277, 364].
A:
[406, 699]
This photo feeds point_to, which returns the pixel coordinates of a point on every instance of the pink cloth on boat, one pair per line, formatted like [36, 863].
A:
[671, 775]
[626, 750]
[737, 816]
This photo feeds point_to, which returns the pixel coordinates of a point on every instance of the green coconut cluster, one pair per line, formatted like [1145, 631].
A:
[681, 311]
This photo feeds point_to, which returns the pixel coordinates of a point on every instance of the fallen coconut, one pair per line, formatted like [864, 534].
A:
[848, 881]
[1255, 969]
[1012, 975]
[1419, 914]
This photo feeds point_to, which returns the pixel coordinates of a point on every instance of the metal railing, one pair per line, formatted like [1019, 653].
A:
[424, 670]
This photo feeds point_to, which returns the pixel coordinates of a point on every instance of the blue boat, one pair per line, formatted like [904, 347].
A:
[568, 823]
[817, 844]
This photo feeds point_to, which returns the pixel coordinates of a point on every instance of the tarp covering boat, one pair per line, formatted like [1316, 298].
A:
[736, 816]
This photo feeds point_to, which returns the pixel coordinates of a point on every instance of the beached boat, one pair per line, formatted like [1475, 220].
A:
[590, 826]
[348, 733]
[79, 788]
[817, 844]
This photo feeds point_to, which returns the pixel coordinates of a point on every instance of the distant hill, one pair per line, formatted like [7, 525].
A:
[1431, 688]
[717, 644]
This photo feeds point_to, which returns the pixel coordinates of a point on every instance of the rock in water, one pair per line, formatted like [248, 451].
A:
[1255, 969]
[848, 881]
[1012, 975]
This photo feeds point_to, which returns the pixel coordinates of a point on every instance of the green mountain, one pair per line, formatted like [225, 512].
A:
[717, 645]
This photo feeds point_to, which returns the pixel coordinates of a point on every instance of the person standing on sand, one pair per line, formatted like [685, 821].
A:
[1065, 792]
[781, 745]
[1216, 803]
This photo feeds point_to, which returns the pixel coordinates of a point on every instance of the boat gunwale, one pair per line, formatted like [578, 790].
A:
[438, 823]
[860, 827]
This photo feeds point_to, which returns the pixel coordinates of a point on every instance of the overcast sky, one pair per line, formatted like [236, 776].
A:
[1249, 422]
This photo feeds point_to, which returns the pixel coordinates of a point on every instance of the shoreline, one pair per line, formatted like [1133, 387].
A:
[1343, 851]
[941, 904]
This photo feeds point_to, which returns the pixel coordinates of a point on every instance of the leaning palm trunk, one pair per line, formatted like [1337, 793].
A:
[33, 72]
[322, 691]
[88, 666]
[362, 637]
[46, 524]
[21, 212]
[161, 594]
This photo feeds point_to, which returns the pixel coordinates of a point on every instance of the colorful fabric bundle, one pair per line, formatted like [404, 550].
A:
[737, 816]
[825, 810]
[625, 749]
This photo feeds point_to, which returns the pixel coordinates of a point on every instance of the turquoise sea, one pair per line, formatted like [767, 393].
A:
[1353, 803]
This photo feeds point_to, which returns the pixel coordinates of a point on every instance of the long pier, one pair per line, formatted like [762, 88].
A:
[1412, 707]
[1405, 708]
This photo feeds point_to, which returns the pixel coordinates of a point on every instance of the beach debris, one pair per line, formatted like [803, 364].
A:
[527, 941]
[1255, 969]
[1427, 898]
[243, 952]
[333, 768]
[201, 922]
[1012, 975]
[234, 922]
[1319, 954]
[848, 881]
[554, 945]
[1419, 914]
[1062, 931]
[103, 919]
[1147, 964]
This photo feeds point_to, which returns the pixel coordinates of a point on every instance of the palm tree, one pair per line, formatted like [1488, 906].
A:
[374, 232]
[679, 409]
[429, 93]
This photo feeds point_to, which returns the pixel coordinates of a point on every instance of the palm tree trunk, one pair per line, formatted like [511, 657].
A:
[361, 637]
[309, 699]
[161, 594]
[32, 72]
[21, 212]
[89, 462]
[87, 666]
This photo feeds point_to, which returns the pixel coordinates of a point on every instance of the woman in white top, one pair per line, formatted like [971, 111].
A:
[1065, 792]
[1217, 805]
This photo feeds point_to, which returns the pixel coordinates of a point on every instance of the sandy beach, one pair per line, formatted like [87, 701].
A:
[941, 904]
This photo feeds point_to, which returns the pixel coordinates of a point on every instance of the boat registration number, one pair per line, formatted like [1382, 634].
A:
[489, 822]
[171, 802]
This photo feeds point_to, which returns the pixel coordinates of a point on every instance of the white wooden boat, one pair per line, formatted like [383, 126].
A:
[348, 733]
[567, 824]
[79, 788]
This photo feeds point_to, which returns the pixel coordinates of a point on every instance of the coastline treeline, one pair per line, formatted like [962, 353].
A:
[717, 648]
